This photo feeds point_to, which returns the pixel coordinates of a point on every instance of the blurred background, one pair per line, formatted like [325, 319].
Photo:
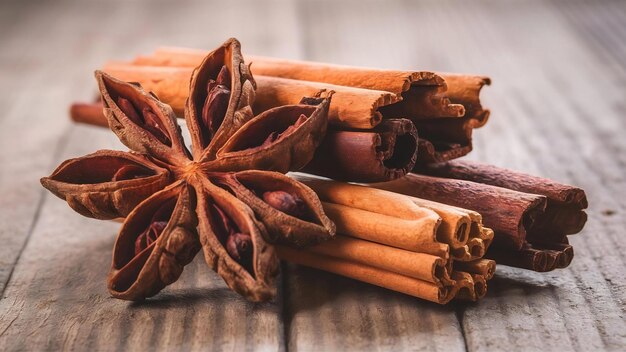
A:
[570, 51]
[557, 102]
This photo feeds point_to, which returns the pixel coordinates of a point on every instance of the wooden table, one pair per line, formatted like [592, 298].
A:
[558, 110]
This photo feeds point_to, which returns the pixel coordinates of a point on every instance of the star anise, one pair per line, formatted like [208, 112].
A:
[227, 196]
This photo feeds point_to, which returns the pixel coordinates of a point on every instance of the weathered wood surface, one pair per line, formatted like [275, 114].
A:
[559, 72]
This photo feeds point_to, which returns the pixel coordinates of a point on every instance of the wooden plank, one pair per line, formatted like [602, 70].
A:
[29, 136]
[556, 110]
[327, 312]
[554, 122]
[55, 261]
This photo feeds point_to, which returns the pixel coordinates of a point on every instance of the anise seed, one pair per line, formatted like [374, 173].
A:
[286, 202]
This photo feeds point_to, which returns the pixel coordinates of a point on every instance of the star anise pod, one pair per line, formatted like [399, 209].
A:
[228, 196]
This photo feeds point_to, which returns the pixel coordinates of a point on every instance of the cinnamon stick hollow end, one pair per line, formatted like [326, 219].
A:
[379, 216]
[484, 267]
[458, 224]
[465, 90]
[385, 153]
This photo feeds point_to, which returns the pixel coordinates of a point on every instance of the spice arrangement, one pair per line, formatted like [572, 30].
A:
[417, 223]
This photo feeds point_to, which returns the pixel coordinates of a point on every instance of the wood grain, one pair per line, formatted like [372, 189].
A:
[557, 106]
[549, 117]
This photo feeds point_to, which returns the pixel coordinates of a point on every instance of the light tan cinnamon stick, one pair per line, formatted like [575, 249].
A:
[396, 82]
[461, 229]
[387, 279]
[351, 107]
[462, 89]
[416, 233]
[420, 266]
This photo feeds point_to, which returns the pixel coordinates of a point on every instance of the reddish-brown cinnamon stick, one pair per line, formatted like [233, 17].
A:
[385, 153]
[563, 215]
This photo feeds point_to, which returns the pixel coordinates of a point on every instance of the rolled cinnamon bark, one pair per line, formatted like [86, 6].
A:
[461, 229]
[484, 267]
[391, 205]
[468, 287]
[351, 107]
[387, 279]
[428, 99]
[385, 153]
[416, 233]
[445, 129]
[417, 88]
[420, 266]
[564, 213]
[462, 89]
[536, 259]
[437, 107]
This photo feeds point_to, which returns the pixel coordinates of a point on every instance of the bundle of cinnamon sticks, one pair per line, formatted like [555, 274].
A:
[374, 117]
[411, 245]
[423, 223]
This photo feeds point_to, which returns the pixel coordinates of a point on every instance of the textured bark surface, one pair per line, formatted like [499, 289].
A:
[549, 118]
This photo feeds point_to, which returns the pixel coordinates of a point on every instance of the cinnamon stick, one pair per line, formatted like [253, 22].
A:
[484, 267]
[387, 279]
[415, 233]
[385, 153]
[420, 266]
[564, 213]
[462, 89]
[88, 113]
[352, 107]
